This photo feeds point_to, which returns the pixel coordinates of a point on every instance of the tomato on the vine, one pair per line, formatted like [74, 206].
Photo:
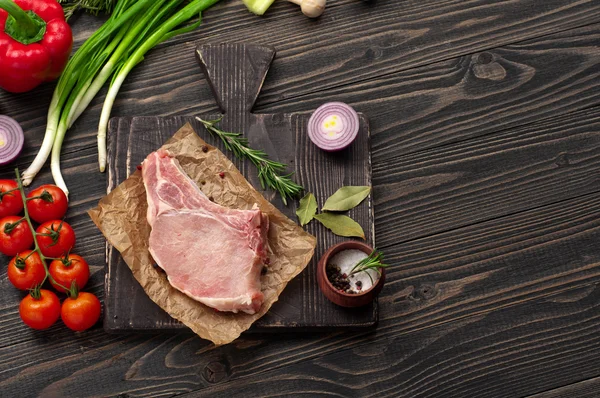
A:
[55, 238]
[81, 312]
[47, 203]
[72, 268]
[40, 309]
[15, 235]
[25, 270]
[11, 202]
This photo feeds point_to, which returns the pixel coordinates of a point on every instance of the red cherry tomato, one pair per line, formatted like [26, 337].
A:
[55, 238]
[82, 312]
[50, 204]
[25, 271]
[11, 203]
[40, 312]
[69, 269]
[15, 235]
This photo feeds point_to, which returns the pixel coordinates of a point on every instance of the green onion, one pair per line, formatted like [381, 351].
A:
[164, 31]
[258, 7]
[134, 28]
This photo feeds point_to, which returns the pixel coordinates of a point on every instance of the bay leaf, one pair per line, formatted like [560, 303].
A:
[307, 209]
[341, 225]
[346, 198]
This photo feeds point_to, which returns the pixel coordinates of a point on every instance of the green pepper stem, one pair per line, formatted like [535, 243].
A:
[23, 20]
[26, 27]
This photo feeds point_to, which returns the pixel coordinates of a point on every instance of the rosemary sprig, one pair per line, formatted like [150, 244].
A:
[92, 6]
[372, 261]
[270, 172]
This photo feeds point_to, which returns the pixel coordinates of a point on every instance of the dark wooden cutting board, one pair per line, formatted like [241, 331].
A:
[236, 73]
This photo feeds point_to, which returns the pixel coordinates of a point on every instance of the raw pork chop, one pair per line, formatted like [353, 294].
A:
[209, 252]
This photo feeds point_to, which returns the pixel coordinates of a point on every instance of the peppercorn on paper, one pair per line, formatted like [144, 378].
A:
[121, 216]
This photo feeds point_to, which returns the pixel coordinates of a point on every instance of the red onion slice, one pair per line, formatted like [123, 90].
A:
[333, 126]
[11, 139]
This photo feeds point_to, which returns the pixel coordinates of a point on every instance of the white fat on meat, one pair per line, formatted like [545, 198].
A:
[211, 253]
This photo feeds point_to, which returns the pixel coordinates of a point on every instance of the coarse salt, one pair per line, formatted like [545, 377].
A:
[346, 260]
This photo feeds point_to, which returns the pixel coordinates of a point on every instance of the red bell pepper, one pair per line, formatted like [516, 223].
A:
[35, 43]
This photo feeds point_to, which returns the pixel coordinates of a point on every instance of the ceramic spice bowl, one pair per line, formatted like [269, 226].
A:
[337, 296]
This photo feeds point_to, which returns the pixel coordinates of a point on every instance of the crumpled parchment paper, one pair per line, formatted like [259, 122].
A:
[121, 216]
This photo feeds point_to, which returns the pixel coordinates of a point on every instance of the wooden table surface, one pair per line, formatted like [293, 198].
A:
[485, 117]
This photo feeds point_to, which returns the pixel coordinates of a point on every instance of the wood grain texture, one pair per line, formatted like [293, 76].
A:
[182, 89]
[410, 109]
[512, 351]
[543, 255]
[473, 95]
[584, 389]
[429, 74]
[493, 264]
[394, 36]
[477, 180]
[506, 353]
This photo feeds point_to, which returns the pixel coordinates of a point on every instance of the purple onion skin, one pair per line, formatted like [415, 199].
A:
[345, 137]
[13, 138]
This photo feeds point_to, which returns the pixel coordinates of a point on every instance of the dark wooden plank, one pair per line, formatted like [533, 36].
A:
[476, 25]
[236, 73]
[584, 389]
[394, 36]
[507, 353]
[492, 264]
[480, 179]
[524, 256]
[474, 95]
[167, 83]
[405, 108]
[517, 261]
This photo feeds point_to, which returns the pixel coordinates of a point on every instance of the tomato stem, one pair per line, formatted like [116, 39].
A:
[52, 233]
[35, 292]
[8, 192]
[45, 196]
[20, 262]
[65, 260]
[73, 292]
[8, 228]
[37, 246]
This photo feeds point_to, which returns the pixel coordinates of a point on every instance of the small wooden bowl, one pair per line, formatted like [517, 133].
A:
[333, 294]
